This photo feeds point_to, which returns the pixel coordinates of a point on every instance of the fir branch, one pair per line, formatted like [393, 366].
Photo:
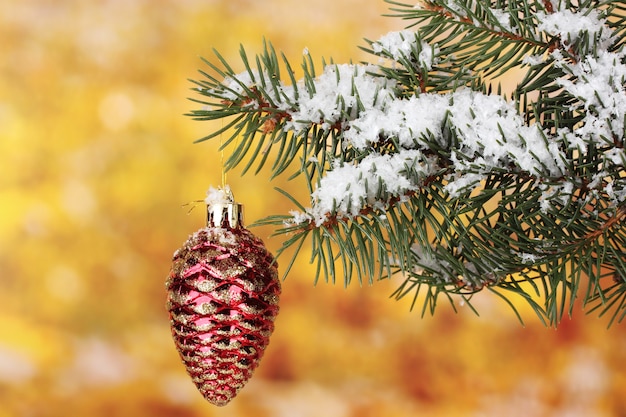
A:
[416, 168]
[482, 38]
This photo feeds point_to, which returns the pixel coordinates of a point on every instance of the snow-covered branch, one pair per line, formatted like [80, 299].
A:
[417, 154]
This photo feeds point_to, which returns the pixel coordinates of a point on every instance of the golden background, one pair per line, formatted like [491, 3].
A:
[96, 159]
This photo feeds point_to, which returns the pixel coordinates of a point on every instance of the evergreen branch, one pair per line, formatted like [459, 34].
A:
[480, 37]
[416, 168]
[259, 99]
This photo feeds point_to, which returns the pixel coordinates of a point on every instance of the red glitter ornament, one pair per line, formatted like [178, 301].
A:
[223, 292]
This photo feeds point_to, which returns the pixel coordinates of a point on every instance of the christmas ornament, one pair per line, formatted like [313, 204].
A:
[223, 292]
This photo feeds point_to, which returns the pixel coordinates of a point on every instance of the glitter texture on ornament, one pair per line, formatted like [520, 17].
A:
[223, 292]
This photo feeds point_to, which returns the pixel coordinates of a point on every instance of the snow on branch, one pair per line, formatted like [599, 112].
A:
[490, 135]
[569, 26]
[482, 133]
[373, 182]
[466, 134]
[338, 94]
[404, 45]
[598, 82]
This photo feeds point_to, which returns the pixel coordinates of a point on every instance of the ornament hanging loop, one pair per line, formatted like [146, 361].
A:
[222, 210]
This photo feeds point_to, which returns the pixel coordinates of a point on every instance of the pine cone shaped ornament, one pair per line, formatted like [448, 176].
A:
[222, 298]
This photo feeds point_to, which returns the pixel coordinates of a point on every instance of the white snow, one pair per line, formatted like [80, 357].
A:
[235, 86]
[348, 188]
[491, 132]
[219, 195]
[503, 18]
[599, 83]
[405, 120]
[569, 25]
[401, 45]
[533, 60]
[339, 93]
[527, 258]
[463, 182]
[491, 135]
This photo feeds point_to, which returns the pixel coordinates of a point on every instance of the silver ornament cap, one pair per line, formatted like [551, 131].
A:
[222, 210]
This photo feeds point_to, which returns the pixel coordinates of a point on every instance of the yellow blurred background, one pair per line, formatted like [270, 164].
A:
[96, 159]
